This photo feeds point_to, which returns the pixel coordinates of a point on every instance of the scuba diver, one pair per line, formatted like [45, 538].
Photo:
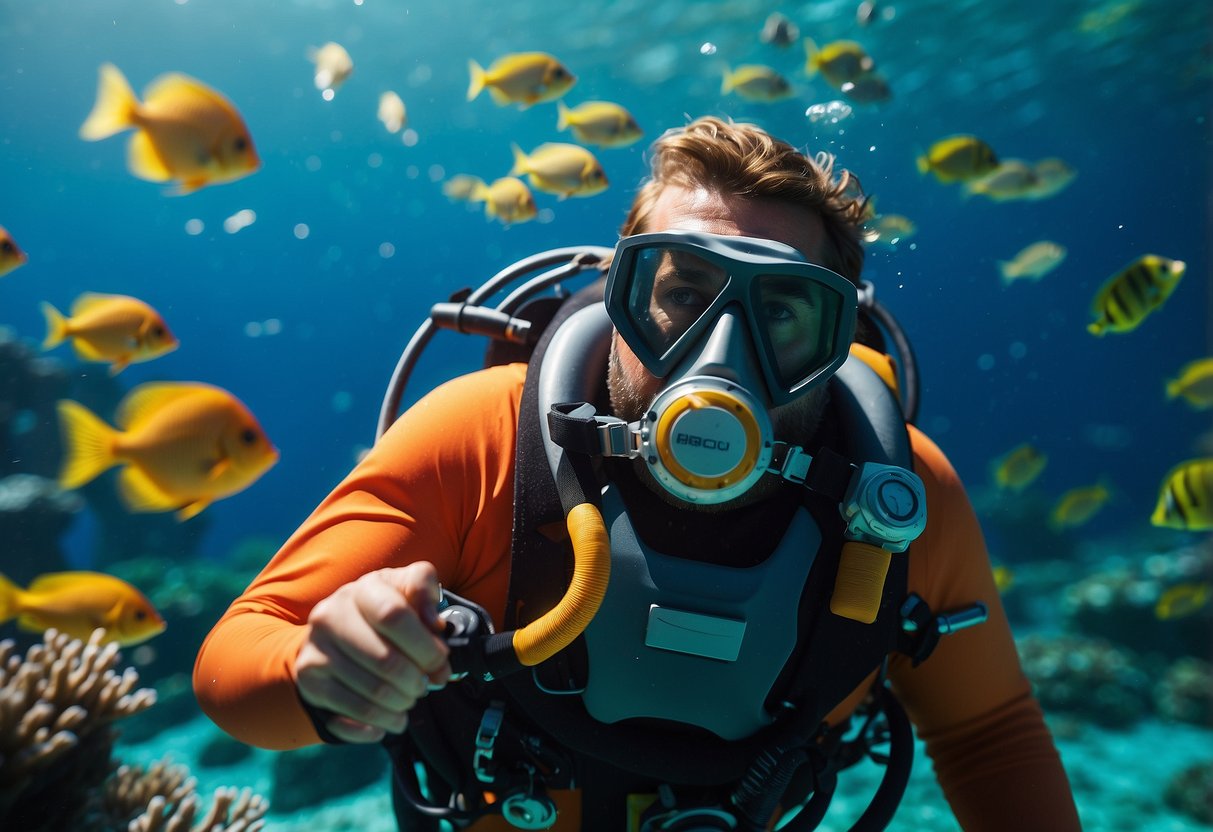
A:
[673, 560]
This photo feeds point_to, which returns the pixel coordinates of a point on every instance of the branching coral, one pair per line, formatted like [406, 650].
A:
[58, 704]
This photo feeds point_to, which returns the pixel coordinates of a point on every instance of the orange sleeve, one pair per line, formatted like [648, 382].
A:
[437, 487]
[970, 701]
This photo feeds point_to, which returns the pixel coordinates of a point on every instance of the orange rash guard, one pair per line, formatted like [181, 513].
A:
[439, 486]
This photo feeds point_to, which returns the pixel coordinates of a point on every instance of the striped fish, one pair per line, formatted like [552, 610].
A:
[1185, 500]
[1131, 294]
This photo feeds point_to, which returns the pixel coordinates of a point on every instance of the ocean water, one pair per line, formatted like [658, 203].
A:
[303, 313]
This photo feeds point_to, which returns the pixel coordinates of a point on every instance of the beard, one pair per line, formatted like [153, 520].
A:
[794, 423]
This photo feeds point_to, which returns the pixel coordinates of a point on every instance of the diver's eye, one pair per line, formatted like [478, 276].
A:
[248, 436]
[240, 144]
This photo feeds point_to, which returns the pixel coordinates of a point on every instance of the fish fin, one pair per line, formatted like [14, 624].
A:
[90, 300]
[56, 326]
[562, 115]
[193, 509]
[144, 161]
[86, 351]
[88, 445]
[10, 598]
[116, 109]
[501, 99]
[149, 398]
[119, 364]
[52, 581]
[188, 186]
[140, 495]
[520, 160]
[478, 79]
[222, 466]
[174, 84]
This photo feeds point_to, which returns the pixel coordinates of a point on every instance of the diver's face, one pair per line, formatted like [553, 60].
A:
[632, 386]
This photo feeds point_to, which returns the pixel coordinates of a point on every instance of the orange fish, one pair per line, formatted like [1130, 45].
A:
[76, 603]
[10, 255]
[184, 131]
[182, 446]
[114, 328]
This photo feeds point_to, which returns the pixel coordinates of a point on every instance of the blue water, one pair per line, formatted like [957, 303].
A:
[1128, 106]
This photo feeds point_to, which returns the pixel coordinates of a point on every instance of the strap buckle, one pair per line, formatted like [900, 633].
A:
[486, 736]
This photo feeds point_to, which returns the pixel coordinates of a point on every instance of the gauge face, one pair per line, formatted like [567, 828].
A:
[897, 499]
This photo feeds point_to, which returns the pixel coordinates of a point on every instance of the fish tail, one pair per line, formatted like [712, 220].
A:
[1007, 271]
[56, 326]
[480, 193]
[478, 79]
[88, 445]
[727, 83]
[10, 599]
[810, 56]
[116, 108]
[924, 164]
[1173, 388]
[1097, 328]
[562, 115]
[520, 160]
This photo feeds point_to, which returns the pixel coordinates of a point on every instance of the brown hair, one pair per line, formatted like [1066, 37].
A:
[745, 160]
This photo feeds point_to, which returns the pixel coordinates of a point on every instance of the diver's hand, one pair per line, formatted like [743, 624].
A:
[372, 649]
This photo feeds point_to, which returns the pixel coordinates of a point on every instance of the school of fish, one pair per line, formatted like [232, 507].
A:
[180, 446]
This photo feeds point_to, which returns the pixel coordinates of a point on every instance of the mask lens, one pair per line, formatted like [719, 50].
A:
[800, 319]
[671, 289]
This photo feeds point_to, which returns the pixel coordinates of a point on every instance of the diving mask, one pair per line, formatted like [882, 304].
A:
[736, 326]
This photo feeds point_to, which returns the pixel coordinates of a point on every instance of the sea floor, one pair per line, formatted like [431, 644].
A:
[1118, 778]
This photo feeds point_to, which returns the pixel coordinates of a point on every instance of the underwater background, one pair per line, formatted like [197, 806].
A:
[301, 308]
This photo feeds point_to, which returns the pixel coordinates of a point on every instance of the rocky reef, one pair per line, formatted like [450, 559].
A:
[59, 705]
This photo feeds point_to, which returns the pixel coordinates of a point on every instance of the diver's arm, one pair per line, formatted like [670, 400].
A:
[437, 488]
[970, 701]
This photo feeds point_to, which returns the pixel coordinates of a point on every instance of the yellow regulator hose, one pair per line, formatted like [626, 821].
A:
[559, 626]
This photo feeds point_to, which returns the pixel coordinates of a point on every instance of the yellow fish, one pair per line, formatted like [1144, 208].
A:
[522, 78]
[958, 159]
[1019, 467]
[888, 230]
[10, 255]
[333, 66]
[1194, 384]
[392, 112]
[76, 603]
[1004, 578]
[1182, 600]
[599, 122]
[507, 199]
[1012, 179]
[867, 88]
[562, 169]
[755, 82]
[1128, 296]
[1185, 499]
[838, 62]
[182, 446]
[115, 328]
[1078, 505]
[184, 131]
[1032, 262]
[1053, 175]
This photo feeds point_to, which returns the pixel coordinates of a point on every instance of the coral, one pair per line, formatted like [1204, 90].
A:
[1185, 692]
[58, 706]
[1190, 792]
[1087, 677]
[1118, 603]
